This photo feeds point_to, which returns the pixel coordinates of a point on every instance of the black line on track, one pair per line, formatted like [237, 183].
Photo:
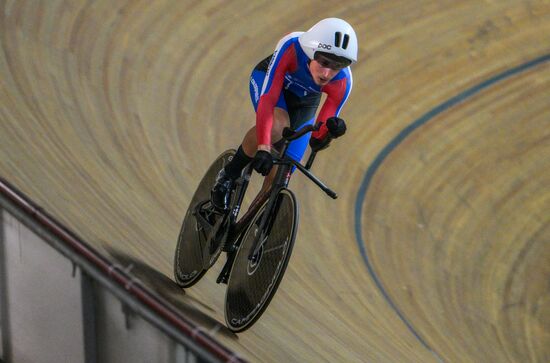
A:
[371, 171]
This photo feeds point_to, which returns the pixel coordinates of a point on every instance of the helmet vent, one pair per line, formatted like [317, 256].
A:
[346, 41]
[337, 38]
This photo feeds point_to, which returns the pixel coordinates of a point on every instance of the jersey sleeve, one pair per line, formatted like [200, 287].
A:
[337, 94]
[283, 61]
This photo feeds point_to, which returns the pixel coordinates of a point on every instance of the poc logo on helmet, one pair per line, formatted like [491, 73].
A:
[324, 46]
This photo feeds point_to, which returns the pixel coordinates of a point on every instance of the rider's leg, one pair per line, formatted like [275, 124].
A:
[247, 149]
[241, 159]
[221, 191]
[220, 194]
[297, 148]
[280, 121]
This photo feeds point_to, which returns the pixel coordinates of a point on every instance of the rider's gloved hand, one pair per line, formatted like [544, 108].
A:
[263, 162]
[336, 126]
[318, 145]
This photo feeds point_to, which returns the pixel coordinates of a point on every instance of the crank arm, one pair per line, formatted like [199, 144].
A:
[202, 222]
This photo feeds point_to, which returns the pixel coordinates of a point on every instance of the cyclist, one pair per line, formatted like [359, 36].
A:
[286, 91]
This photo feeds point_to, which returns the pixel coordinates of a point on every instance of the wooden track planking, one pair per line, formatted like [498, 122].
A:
[469, 224]
[109, 110]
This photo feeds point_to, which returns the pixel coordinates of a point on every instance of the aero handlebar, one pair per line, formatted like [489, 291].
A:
[289, 135]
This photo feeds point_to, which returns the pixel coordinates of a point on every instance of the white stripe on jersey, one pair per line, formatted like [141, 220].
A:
[349, 92]
[275, 55]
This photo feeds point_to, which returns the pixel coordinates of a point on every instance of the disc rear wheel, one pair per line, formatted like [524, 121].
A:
[189, 258]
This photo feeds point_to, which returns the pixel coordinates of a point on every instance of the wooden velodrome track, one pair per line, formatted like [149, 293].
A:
[438, 248]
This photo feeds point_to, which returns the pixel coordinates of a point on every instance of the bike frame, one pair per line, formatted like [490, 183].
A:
[235, 229]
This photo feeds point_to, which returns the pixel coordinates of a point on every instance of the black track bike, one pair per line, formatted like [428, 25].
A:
[258, 245]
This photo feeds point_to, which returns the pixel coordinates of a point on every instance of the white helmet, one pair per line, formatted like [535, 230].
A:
[332, 35]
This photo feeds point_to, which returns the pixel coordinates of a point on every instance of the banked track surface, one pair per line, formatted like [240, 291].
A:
[110, 112]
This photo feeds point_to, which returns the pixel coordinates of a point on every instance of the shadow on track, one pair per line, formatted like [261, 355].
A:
[171, 292]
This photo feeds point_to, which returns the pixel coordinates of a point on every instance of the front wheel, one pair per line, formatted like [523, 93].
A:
[193, 255]
[253, 283]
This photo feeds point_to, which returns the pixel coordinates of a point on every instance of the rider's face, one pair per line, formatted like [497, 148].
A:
[321, 75]
[323, 69]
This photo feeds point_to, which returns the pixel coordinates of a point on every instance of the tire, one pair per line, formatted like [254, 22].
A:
[189, 266]
[252, 285]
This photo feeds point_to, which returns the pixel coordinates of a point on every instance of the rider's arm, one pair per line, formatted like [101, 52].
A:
[284, 60]
[337, 94]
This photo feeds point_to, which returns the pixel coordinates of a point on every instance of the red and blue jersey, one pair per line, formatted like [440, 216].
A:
[289, 68]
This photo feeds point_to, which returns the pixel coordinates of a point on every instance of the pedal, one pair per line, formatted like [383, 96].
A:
[222, 279]
[229, 247]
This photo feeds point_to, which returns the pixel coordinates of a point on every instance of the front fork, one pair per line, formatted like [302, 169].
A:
[231, 247]
[281, 181]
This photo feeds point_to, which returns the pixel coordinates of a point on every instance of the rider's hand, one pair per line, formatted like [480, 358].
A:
[336, 127]
[318, 145]
[263, 162]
